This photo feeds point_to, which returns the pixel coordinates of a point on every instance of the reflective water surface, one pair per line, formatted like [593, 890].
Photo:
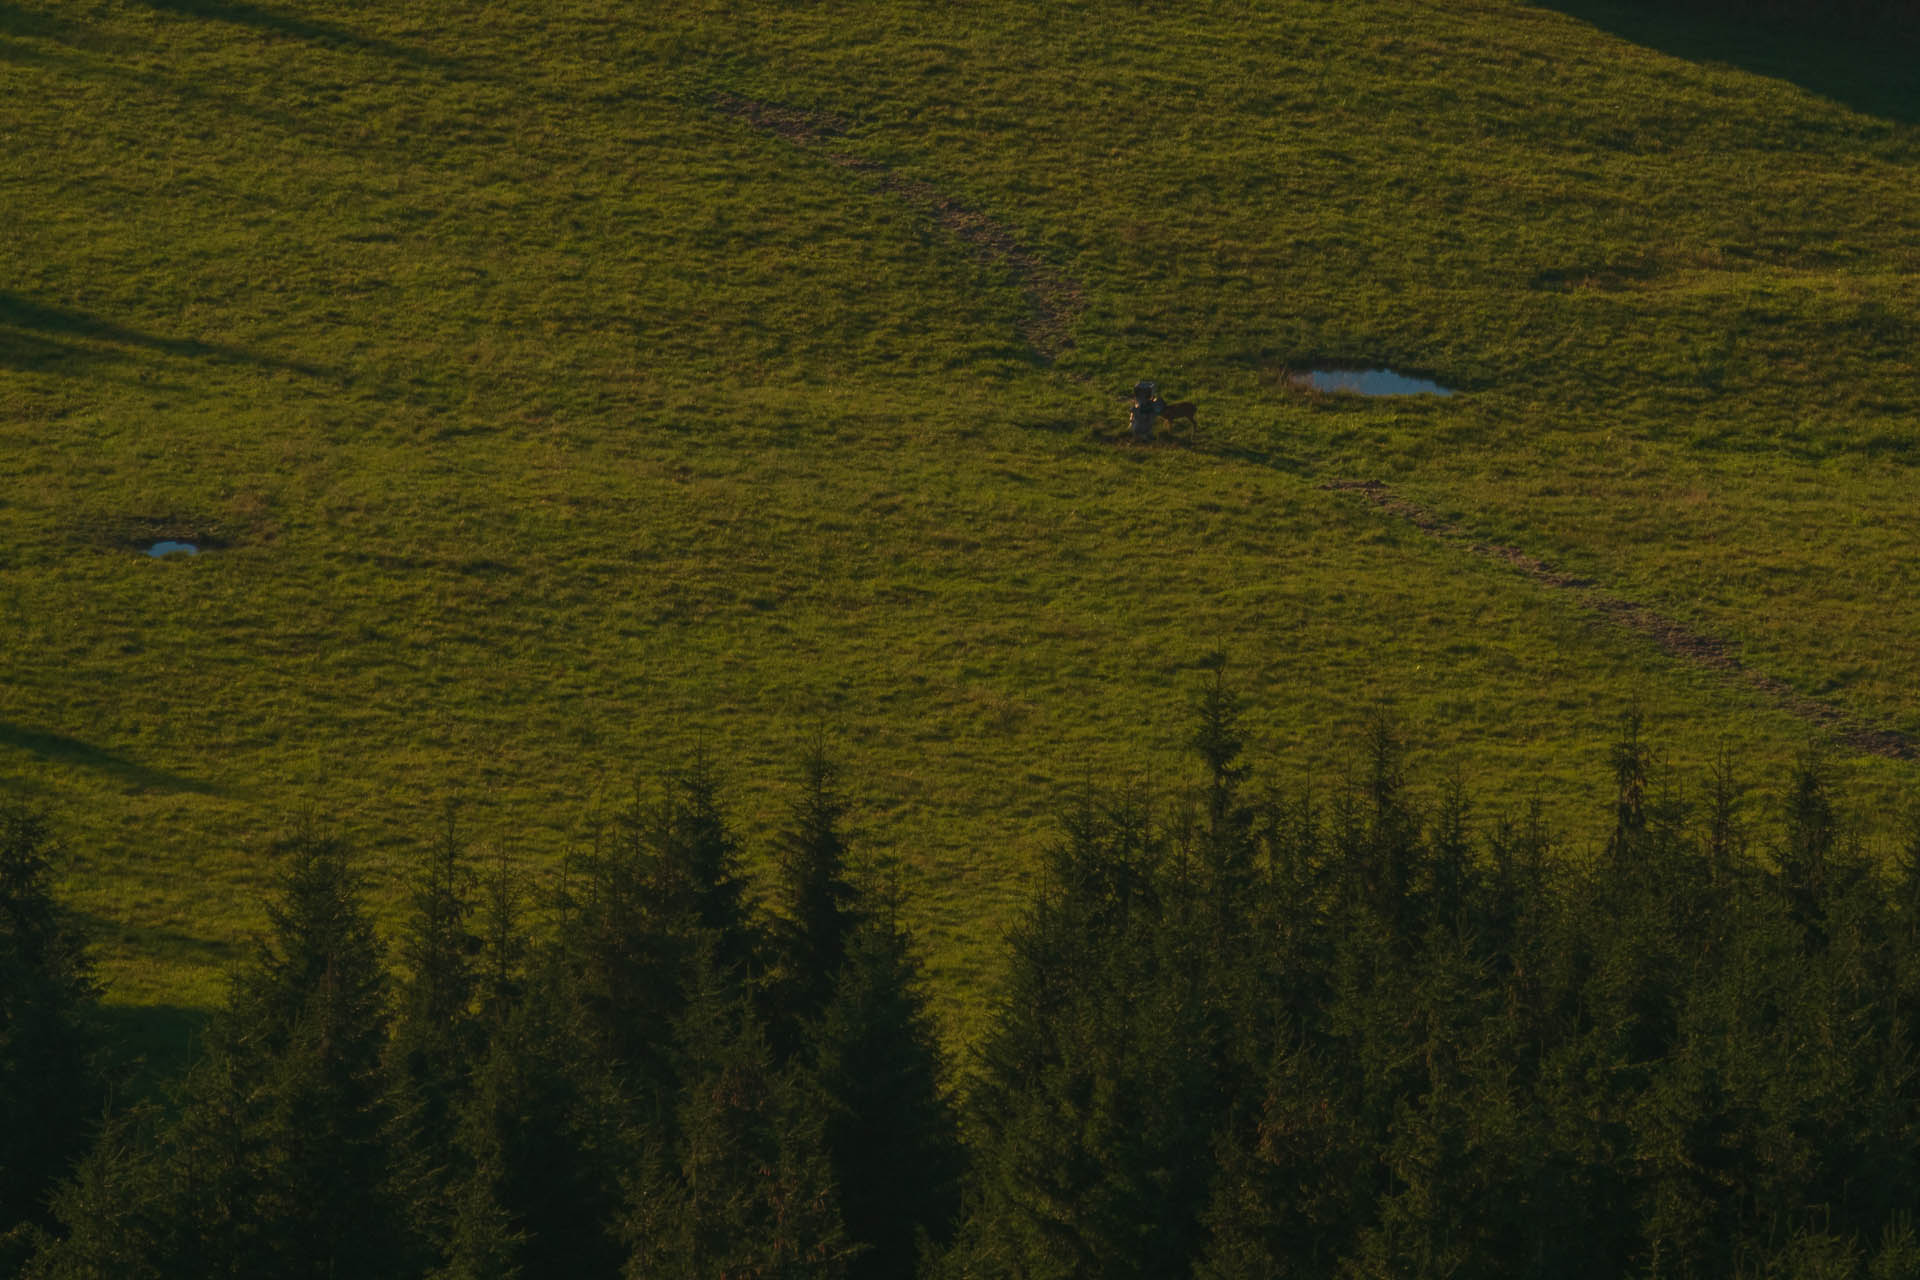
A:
[1370, 382]
[171, 548]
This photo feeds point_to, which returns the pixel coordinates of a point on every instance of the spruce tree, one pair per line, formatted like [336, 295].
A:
[437, 1037]
[583, 1073]
[1100, 1085]
[1726, 834]
[661, 881]
[277, 1162]
[116, 1211]
[514, 1094]
[1805, 857]
[696, 866]
[892, 1136]
[847, 1010]
[499, 974]
[439, 944]
[306, 1034]
[744, 1185]
[1227, 845]
[50, 1089]
[817, 903]
[1452, 879]
[542, 1144]
[1292, 1192]
[1632, 768]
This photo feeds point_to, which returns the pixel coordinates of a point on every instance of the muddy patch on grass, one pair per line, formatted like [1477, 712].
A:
[1602, 277]
[797, 125]
[1054, 300]
[1673, 637]
[160, 537]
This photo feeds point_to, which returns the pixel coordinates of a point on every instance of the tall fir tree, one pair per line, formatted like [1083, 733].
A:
[1099, 1089]
[892, 1136]
[542, 1143]
[817, 903]
[306, 1035]
[1806, 854]
[436, 1038]
[661, 881]
[277, 1162]
[116, 1212]
[1632, 771]
[50, 1086]
[847, 1010]
[743, 1186]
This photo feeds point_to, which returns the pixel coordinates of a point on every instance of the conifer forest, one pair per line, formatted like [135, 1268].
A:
[1242, 1033]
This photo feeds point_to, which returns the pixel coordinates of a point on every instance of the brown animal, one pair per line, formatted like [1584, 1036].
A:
[1182, 410]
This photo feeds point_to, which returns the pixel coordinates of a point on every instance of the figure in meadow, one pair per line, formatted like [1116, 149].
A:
[1147, 406]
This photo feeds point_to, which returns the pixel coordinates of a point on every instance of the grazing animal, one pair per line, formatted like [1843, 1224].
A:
[1182, 410]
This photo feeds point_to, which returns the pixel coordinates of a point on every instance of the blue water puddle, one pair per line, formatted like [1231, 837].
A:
[1369, 382]
[173, 548]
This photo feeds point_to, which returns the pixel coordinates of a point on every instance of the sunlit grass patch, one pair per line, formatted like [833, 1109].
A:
[552, 421]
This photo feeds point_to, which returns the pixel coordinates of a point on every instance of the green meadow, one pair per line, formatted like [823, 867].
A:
[543, 421]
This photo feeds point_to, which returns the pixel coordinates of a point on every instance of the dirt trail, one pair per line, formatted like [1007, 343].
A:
[1053, 299]
[1673, 637]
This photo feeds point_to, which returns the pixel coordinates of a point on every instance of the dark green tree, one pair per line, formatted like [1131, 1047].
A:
[1805, 857]
[744, 1185]
[50, 1087]
[1098, 1089]
[848, 1011]
[277, 1163]
[1632, 776]
[542, 1142]
[500, 975]
[437, 1037]
[1378, 849]
[892, 1136]
[1725, 838]
[1226, 837]
[116, 1211]
[1294, 1190]
[663, 880]
[305, 1038]
[817, 903]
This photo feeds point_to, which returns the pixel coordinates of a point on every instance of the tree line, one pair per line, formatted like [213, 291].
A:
[1242, 1032]
[1861, 18]
[669, 1081]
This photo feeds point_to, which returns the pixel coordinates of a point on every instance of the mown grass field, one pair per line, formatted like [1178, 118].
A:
[545, 422]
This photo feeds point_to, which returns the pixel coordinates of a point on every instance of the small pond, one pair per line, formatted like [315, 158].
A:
[173, 548]
[1369, 382]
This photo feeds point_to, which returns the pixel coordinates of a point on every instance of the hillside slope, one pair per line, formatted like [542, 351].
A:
[557, 389]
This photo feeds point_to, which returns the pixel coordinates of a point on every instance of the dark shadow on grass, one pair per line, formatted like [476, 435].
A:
[64, 750]
[274, 22]
[25, 352]
[1060, 426]
[161, 940]
[1871, 71]
[49, 325]
[1269, 459]
[16, 20]
[150, 1046]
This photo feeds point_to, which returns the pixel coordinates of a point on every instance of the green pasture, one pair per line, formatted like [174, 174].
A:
[544, 423]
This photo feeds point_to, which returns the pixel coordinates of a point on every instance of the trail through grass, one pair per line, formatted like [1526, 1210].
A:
[543, 419]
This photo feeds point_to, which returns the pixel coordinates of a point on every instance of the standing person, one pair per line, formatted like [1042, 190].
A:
[1147, 407]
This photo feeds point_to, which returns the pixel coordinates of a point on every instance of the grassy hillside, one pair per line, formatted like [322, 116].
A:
[560, 388]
